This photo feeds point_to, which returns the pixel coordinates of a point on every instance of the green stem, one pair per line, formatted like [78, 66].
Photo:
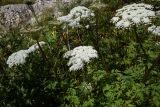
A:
[67, 36]
[40, 48]
[79, 36]
[42, 52]
[97, 30]
[146, 72]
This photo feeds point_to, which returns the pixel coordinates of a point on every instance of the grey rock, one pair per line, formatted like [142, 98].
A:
[16, 15]
[13, 15]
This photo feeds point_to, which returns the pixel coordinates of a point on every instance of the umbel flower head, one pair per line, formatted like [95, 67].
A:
[133, 14]
[80, 55]
[19, 57]
[155, 30]
[76, 14]
[35, 47]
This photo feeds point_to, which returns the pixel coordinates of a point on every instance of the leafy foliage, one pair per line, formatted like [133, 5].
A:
[122, 76]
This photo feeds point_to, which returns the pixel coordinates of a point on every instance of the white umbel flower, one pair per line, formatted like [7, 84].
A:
[19, 57]
[158, 13]
[133, 14]
[155, 30]
[76, 14]
[80, 55]
[35, 47]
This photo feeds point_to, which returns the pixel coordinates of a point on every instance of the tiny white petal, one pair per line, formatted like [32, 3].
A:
[133, 14]
[17, 58]
[76, 14]
[80, 55]
[35, 47]
[155, 30]
[115, 19]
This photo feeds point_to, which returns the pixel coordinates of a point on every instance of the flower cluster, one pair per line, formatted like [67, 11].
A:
[155, 30]
[35, 47]
[76, 14]
[133, 14]
[17, 58]
[20, 56]
[158, 13]
[80, 55]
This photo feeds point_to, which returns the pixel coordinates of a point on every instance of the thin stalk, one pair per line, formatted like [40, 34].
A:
[42, 52]
[67, 36]
[33, 12]
[97, 47]
[97, 30]
[40, 48]
[97, 42]
[79, 37]
[60, 40]
[140, 43]
[84, 73]
[46, 59]
[146, 72]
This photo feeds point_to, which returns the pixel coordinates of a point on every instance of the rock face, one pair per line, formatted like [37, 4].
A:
[13, 16]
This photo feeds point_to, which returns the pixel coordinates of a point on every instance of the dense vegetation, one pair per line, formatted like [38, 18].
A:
[125, 74]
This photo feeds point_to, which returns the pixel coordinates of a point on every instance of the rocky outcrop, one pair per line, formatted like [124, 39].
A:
[14, 15]
[17, 15]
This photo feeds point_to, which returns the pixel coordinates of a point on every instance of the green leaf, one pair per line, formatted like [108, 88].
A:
[89, 103]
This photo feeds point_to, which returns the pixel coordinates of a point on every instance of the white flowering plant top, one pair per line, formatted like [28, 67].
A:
[76, 14]
[35, 47]
[155, 30]
[19, 57]
[133, 14]
[80, 55]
